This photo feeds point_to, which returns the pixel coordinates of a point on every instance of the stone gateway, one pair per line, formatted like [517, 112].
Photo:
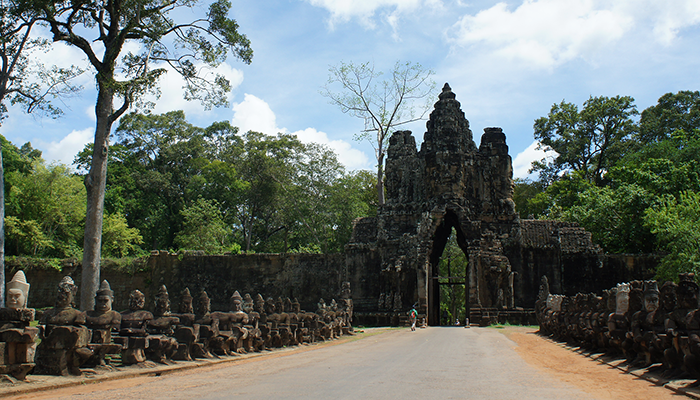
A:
[392, 259]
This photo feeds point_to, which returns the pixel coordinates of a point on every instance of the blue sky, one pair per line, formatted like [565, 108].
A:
[507, 62]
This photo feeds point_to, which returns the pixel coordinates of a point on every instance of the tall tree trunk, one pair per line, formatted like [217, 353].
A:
[380, 179]
[95, 184]
[2, 232]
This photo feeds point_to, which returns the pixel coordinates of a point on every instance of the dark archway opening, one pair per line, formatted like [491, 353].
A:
[448, 274]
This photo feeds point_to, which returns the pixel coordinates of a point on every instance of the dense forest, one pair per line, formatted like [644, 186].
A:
[630, 178]
[175, 186]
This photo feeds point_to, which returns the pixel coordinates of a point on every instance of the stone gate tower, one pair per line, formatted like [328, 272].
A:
[450, 183]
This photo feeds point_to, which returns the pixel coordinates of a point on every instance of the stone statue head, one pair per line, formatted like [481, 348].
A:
[636, 297]
[137, 300]
[622, 298]
[236, 301]
[186, 302]
[248, 304]
[288, 304]
[334, 305]
[296, 307]
[104, 298]
[270, 306]
[345, 292]
[162, 301]
[651, 296]
[668, 299]
[17, 291]
[66, 292]
[612, 299]
[687, 291]
[204, 306]
[259, 304]
[279, 305]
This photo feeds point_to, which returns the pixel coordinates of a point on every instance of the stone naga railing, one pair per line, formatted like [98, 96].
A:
[645, 322]
[72, 339]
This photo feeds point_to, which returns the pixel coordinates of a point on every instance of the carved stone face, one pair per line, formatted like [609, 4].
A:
[204, 306]
[259, 305]
[687, 296]
[137, 300]
[668, 296]
[162, 304]
[248, 305]
[16, 299]
[622, 301]
[651, 302]
[269, 306]
[236, 305]
[64, 298]
[103, 303]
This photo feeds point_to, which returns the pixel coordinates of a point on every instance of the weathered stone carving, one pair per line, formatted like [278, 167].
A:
[63, 348]
[133, 329]
[17, 338]
[102, 321]
[650, 327]
[450, 183]
[185, 331]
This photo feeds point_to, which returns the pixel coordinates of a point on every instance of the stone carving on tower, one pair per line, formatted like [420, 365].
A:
[449, 183]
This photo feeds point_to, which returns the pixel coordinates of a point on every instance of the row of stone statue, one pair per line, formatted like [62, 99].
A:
[650, 326]
[71, 339]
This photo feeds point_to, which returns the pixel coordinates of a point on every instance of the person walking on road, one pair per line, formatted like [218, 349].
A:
[412, 317]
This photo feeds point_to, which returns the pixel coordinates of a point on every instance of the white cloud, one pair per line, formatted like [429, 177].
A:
[364, 10]
[523, 161]
[352, 158]
[547, 33]
[172, 92]
[254, 114]
[543, 33]
[65, 150]
[667, 18]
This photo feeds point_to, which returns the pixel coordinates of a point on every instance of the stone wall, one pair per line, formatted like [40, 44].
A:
[307, 277]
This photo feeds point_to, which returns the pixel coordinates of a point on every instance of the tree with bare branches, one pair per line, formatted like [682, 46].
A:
[384, 105]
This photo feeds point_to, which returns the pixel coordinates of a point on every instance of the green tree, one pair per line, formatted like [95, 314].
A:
[101, 30]
[524, 190]
[676, 221]
[405, 97]
[589, 141]
[118, 239]
[453, 263]
[205, 229]
[24, 81]
[49, 200]
[673, 112]
[160, 164]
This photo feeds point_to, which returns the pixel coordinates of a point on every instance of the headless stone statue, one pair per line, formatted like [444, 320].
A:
[17, 338]
[65, 337]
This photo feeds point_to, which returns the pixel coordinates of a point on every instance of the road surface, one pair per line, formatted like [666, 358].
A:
[432, 363]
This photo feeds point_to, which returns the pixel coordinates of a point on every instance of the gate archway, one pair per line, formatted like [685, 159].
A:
[449, 225]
